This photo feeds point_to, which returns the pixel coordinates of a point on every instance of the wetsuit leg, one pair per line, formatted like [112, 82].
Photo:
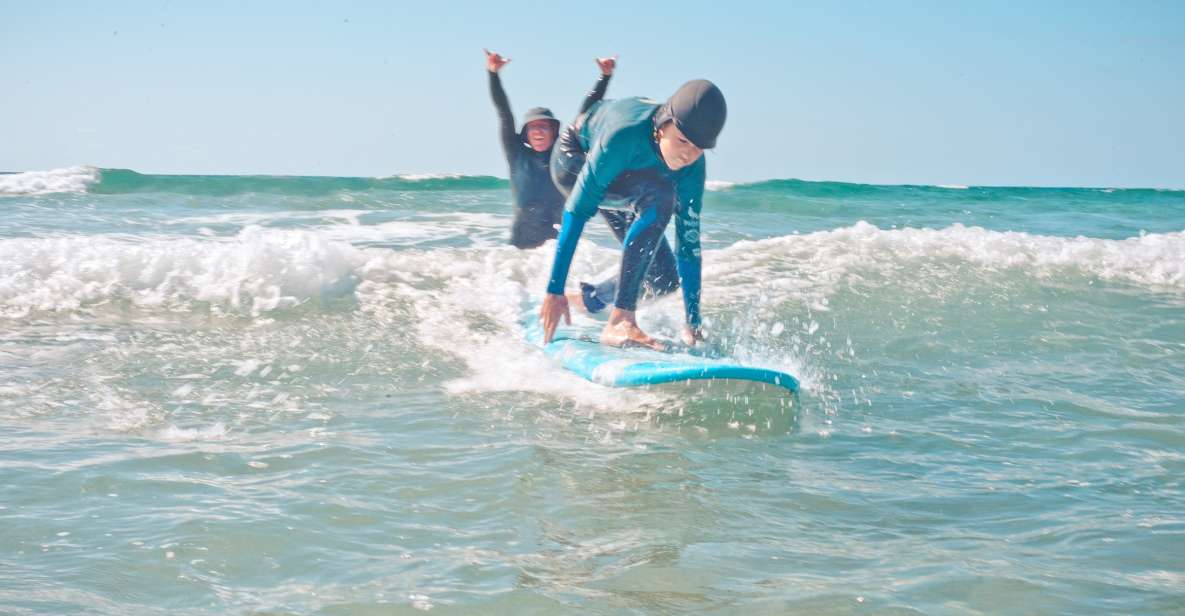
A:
[598, 296]
[661, 278]
[653, 200]
[663, 275]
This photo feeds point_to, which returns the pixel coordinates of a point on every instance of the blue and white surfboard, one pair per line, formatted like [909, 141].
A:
[633, 367]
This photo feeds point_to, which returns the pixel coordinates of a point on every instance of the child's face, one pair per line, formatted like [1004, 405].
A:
[676, 149]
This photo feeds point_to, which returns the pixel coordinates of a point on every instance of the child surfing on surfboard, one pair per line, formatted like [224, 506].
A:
[647, 159]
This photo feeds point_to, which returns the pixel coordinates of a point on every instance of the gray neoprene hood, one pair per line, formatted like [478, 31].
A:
[698, 109]
[538, 113]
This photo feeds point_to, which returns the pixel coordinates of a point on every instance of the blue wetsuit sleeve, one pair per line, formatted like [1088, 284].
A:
[688, 257]
[597, 93]
[602, 165]
[607, 158]
[511, 142]
[564, 251]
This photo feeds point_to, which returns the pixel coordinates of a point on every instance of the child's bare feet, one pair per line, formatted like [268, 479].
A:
[623, 328]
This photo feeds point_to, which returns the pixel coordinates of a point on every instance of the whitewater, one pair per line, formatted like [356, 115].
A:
[266, 394]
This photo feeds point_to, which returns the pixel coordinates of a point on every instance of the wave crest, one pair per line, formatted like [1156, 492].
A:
[262, 269]
[258, 271]
[1154, 260]
[66, 180]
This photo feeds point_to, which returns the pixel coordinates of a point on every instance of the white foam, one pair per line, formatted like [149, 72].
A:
[1154, 260]
[350, 217]
[475, 227]
[261, 270]
[70, 179]
[953, 186]
[718, 185]
[419, 177]
[173, 434]
[119, 409]
[258, 270]
[466, 303]
[469, 302]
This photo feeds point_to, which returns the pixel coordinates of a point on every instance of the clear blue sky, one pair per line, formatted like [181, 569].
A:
[1059, 93]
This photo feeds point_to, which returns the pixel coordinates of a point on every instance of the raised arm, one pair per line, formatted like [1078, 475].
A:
[607, 65]
[506, 130]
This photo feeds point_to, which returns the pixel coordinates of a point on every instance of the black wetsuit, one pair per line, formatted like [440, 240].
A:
[538, 205]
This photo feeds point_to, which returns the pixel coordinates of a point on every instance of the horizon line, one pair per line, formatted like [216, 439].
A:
[453, 174]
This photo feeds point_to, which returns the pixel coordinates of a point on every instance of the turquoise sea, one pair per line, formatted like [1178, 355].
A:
[311, 395]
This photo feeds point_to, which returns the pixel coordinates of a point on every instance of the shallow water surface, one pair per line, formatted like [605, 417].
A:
[312, 396]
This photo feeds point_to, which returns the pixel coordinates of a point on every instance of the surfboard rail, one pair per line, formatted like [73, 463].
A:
[635, 367]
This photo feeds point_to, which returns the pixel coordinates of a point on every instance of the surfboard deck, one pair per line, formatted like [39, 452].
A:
[583, 355]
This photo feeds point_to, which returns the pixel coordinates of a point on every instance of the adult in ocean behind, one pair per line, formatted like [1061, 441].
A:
[647, 158]
[537, 202]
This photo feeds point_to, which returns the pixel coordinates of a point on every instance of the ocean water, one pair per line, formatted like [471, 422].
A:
[297, 395]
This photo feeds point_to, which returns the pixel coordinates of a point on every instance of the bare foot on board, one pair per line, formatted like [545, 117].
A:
[623, 329]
